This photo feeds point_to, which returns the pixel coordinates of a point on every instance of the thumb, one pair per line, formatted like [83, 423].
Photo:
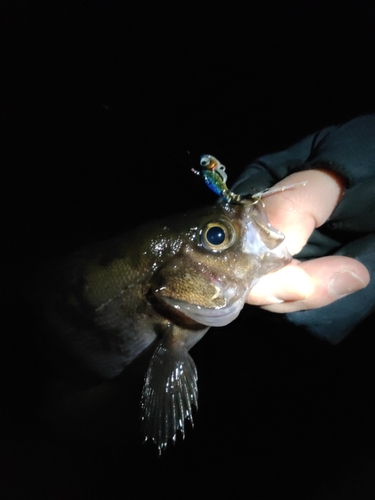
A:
[310, 284]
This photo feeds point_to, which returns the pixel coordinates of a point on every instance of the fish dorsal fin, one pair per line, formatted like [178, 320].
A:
[170, 389]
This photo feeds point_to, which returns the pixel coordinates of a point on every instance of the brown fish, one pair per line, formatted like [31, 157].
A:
[165, 283]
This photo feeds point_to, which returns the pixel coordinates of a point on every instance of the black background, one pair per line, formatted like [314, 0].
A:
[106, 108]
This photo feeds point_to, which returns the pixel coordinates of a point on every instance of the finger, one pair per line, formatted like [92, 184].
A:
[332, 277]
[298, 211]
[291, 283]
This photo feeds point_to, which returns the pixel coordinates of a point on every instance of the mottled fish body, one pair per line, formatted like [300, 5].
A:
[163, 284]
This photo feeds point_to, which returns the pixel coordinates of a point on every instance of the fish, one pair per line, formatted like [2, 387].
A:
[159, 287]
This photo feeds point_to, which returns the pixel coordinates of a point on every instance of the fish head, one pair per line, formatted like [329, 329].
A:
[224, 252]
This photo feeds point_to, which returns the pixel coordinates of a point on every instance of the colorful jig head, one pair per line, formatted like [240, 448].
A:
[214, 175]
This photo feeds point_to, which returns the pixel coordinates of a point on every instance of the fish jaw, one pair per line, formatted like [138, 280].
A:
[210, 287]
[220, 316]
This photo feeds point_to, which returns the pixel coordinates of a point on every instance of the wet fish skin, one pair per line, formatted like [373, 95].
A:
[163, 284]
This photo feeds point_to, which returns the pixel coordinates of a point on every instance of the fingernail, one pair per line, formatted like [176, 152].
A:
[344, 283]
[274, 300]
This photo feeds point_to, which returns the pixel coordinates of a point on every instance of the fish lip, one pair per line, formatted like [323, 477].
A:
[219, 316]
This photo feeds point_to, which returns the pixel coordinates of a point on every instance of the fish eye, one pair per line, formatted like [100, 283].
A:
[217, 236]
[205, 161]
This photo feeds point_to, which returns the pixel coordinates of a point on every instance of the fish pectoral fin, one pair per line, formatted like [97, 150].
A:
[170, 389]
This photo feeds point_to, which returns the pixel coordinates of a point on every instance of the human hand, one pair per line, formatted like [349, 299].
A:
[317, 282]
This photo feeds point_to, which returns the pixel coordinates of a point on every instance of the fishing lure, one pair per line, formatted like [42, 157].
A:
[215, 177]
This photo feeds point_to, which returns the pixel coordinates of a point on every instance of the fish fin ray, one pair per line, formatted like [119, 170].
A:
[170, 390]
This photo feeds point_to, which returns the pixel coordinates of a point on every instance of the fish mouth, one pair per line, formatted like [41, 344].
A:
[208, 316]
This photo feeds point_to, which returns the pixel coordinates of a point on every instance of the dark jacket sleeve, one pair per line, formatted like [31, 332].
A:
[350, 150]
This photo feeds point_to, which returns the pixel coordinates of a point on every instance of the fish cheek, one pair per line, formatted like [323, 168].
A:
[188, 282]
